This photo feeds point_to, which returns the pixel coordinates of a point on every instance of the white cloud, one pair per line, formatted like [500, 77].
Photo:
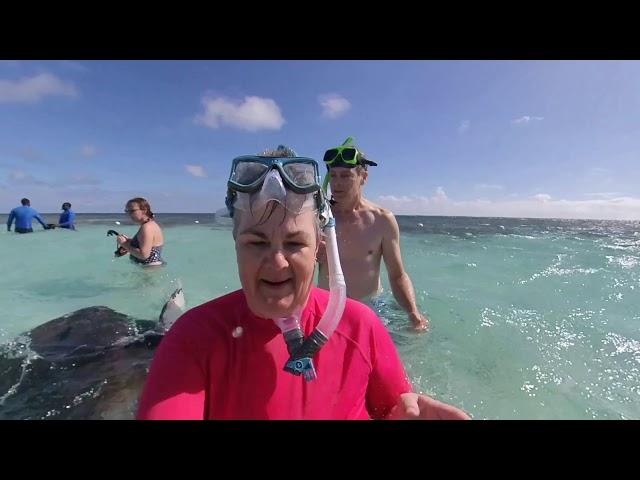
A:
[488, 186]
[464, 126]
[333, 105]
[526, 119]
[440, 195]
[542, 197]
[538, 206]
[252, 113]
[34, 89]
[195, 170]
[394, 199]
[23, 178]
[88, 151]
[604, 194]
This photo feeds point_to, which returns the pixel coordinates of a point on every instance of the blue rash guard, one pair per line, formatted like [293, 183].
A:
[66, 220]
[23, 216]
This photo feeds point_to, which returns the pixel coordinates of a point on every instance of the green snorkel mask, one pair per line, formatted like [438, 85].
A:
[346, 155]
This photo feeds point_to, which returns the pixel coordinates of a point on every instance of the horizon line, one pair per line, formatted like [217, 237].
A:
[396, 215]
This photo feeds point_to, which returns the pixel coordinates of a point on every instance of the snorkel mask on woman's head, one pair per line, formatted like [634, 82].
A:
[254, 181]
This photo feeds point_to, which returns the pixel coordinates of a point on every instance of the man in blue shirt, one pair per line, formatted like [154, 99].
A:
[67, 217]
[23, 216]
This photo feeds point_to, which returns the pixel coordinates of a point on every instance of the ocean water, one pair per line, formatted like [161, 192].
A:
[530, 318]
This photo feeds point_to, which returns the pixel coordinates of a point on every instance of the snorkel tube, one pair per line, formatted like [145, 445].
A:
[302, 351]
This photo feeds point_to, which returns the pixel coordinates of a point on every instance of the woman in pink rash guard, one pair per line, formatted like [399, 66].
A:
[224, 359]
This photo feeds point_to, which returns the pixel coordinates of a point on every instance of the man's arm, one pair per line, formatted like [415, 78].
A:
[12, 215]
[39, 219]
[398, 279]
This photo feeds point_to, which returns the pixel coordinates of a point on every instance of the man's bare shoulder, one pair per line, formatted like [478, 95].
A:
[383, 216]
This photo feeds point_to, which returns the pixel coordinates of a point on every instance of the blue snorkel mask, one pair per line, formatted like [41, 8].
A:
[264, 179]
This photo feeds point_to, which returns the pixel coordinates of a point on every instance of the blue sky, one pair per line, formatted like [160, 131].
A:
[481, 138]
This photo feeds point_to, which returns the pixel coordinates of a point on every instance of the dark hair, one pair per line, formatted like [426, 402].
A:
[25, 201]
[66, 203]
[143, 204]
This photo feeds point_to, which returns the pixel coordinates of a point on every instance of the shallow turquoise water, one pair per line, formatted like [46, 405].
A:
[529, 318]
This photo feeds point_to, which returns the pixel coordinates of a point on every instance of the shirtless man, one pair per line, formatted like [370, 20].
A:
[366, 233]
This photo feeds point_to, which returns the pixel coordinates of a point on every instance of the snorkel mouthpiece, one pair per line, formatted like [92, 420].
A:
[294, 340]
[301, 362]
